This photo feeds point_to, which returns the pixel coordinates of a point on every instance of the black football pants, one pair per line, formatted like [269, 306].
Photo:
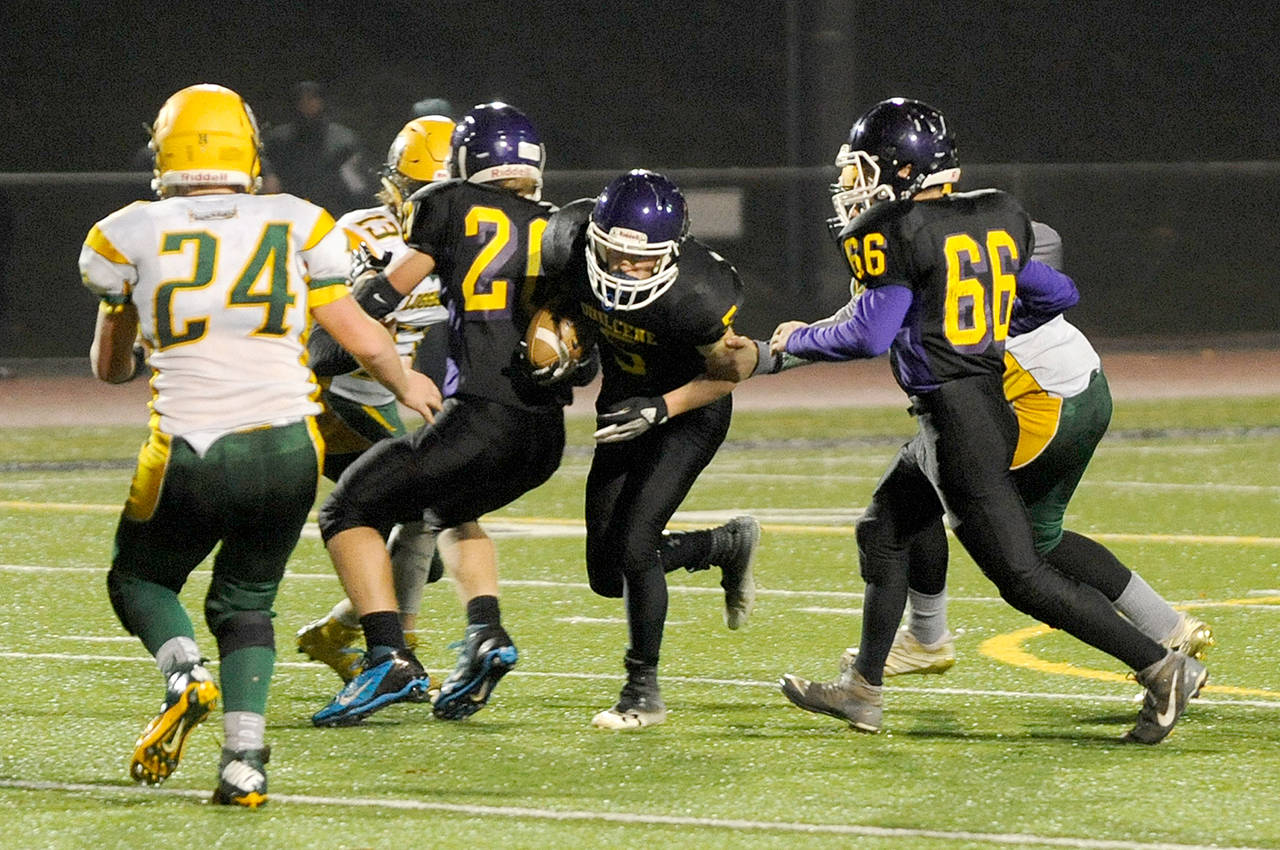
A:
[959, 460]
[633, 489]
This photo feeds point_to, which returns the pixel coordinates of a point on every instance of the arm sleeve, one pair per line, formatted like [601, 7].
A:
[1043, 293]
[868, 331]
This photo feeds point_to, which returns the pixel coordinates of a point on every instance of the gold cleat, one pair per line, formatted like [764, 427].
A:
[908, 655]
[330, 642]
[189, 700]
[1192, 637]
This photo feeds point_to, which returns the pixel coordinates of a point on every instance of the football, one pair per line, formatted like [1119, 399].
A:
[552, 342]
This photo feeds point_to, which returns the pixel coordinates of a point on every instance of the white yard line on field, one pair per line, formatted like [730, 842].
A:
[136, 793]
[692, 680]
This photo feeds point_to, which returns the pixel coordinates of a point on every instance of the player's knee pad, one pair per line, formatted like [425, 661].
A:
[336, 515]
[243, 629]
[880, 554]
[1034, 599]
[604, 577]
[238, 613]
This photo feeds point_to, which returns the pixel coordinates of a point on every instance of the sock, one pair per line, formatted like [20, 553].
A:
[411, 545]
[691, 550]
[345, 613]
[243, 730]
[382, 632]
[881, 611]
[483, 610]
[245, 675]
[1147, 609]
[177, 655]
[928, 620]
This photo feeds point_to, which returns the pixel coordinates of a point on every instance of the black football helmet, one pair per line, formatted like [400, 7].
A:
[890, 135]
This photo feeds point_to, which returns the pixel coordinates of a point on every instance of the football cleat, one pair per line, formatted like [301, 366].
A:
[908, 655]
[639, 704]
[484, 657]
[189, 697]
[1191, 637]
[328, 641]
[850, 698]
[735, 561]
[396, 677]
[242, 778]
[1171, 683]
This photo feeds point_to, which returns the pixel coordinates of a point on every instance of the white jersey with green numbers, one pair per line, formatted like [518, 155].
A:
[377, 228]
[223, 284]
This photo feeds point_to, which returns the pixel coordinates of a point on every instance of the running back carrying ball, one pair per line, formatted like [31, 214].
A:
[552, 345]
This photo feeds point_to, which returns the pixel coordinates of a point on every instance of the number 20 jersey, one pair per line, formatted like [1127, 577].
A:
[223, 284]
[959, 256]
[487, 245]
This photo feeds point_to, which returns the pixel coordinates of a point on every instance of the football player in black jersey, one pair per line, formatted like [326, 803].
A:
[498, 436]
[660, 301]
[939, 271]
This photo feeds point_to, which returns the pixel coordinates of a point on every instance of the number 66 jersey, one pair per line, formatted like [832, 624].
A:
[959, 256]
[223, 284]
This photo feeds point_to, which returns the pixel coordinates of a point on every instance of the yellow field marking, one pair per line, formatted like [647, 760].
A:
[66, 507]
[1008, 648]
[772, 527]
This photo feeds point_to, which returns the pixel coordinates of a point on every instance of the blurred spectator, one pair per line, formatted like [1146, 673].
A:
[317, 158]
[431, 106]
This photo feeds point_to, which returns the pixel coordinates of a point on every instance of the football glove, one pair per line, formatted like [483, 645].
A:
[364, 260]
[630, 418]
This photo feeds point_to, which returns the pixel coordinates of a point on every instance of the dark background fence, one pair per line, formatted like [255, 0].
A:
[1170, 252]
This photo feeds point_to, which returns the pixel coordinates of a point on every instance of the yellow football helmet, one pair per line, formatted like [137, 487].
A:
[416, 158]
[205, 135]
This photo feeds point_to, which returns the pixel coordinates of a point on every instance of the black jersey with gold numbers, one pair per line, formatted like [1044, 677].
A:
[653, 349]
[959, 255]
[487, 245]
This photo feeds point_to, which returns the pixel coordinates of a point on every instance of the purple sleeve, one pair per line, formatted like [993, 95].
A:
[1043, 292]
[876, 320]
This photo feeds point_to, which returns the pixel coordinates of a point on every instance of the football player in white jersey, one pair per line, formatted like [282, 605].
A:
[358, 410]
[221, 285]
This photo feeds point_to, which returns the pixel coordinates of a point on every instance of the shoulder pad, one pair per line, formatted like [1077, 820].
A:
[566, 235]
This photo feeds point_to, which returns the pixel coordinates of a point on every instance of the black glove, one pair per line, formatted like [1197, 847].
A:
[630, 418]
[364, 260]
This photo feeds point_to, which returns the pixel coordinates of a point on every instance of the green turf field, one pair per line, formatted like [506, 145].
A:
[1010, 748]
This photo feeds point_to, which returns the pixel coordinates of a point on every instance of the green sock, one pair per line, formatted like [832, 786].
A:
[154, 613]
[245, 675]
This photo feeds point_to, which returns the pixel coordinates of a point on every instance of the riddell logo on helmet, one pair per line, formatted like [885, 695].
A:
[498, 172]
[626, 234]
[206, 176]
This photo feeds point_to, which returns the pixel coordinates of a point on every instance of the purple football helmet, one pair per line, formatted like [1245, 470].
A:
[641, 215]
[888, 136]
[495, 141]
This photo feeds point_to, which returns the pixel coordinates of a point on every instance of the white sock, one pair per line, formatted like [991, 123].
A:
[244, 730]
[928, 620]
[345, 613]
[1147, 609]
[177, 655]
